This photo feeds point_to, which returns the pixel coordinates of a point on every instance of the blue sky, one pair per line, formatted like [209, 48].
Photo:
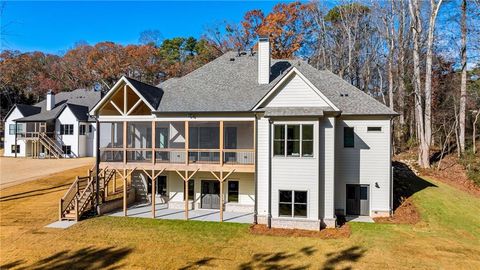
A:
[54, 27]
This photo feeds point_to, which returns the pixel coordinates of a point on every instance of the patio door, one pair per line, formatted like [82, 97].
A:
[210, 194]
[358, 201]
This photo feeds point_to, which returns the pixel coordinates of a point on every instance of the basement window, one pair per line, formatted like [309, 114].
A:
[15, 149]
[292, 203]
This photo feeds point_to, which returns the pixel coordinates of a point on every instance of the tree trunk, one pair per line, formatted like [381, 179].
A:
[423, 150]
[474, 132]
[434, 7]
[463, 84]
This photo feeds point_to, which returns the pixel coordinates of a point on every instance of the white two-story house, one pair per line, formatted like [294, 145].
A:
[58, 126]
[291, 144]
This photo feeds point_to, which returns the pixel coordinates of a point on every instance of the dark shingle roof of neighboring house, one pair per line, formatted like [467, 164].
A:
[229, 83]
[28, 110]
[80, 101]
[152, 94]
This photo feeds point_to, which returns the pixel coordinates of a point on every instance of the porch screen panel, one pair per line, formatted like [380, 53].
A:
[139, 135]
[111, 135]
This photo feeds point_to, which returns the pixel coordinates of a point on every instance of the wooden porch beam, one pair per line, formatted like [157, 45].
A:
[134, 106]
[221, 179]
[116, 107]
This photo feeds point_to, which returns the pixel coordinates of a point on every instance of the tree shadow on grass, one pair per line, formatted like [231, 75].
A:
[33, 193]
[352, 254]
[406, 183]
[85, 258]
[199, 263]
[278, 260]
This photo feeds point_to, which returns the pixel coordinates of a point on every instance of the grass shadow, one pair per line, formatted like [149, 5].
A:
[32, 193]
[86, 258]
[199, 263]
[278, 260]
[352, 254]
[406, 183]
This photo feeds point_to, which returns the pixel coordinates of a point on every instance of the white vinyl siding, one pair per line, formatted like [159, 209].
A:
[327, 167]
[10, 138]
[68, 118]
[296, 93]
[290, 173]
[263, 153]
[368, 162]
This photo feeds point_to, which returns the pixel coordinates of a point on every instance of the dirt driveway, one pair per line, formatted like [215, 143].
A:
[14, 171]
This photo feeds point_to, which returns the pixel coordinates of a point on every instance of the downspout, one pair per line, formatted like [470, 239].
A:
[269, 219]
[391, 170]
[97, 165]
[16, 129]
[255, 213]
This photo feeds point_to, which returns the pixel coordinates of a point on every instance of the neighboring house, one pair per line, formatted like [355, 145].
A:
[58, 126]
[294, 145]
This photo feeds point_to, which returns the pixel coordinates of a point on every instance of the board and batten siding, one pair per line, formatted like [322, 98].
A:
[263, 152]
[68, 118]
[297, 173]
[327, 167]
[369, 162]
[10, 139]
[296, 93]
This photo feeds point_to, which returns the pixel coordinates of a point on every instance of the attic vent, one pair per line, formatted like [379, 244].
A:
[344, 95]
[232, 59]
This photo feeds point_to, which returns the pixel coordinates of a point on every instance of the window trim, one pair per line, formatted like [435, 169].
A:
[300, 140]
[374, 129]
[238, 191]
[17, 149]
[82, 129]
[70, 129]
[293, 203]
[353, 134]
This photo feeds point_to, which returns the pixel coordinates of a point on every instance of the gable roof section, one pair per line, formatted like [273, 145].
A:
[229, 84]
[149, 94]
[279, 87]
[78, 98]
[152, 94]
[25, 110]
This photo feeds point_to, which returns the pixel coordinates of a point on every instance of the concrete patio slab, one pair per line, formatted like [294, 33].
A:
[162, 212]
[365, 219]
[61, 224]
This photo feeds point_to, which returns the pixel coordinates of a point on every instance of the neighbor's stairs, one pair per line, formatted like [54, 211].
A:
[50, 145]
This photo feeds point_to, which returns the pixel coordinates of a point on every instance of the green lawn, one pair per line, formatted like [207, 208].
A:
[448, 237]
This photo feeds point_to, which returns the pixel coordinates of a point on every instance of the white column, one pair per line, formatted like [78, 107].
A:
[329, 174]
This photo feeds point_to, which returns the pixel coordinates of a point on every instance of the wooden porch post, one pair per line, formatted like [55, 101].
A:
[221, 196]
[221, 143]
[124, 192]
[114, 184]
[221, 179]
[185, 196]
[153, 193]
[124, 142]
[187, 140]
[185, 178]
[153, 143]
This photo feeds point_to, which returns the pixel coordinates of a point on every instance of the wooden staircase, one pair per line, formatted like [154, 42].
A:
[50, 145]
[80, 197]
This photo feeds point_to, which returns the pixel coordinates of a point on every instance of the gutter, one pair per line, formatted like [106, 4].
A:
[255, 213]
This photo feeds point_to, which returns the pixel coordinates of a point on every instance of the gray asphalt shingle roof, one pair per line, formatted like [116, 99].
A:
[80, 101]
[152, 94]
[229, 83]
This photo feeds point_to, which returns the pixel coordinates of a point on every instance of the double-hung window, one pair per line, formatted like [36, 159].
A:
[293, 140]
[66, 129]
[11, 129]
[82, 130]
[292, 203]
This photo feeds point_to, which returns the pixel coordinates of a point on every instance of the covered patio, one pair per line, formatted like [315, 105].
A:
[163, 212]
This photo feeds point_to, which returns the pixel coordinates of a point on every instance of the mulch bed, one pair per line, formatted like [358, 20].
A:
[406, 213]
[329, 233]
